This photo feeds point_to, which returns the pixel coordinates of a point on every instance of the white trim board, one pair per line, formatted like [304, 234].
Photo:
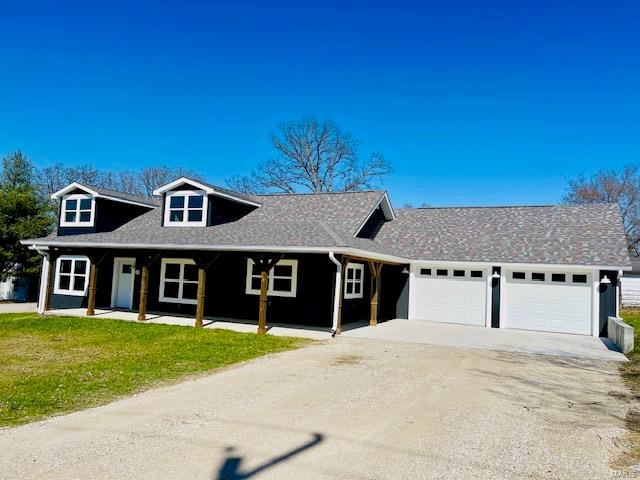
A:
[201, 186]
[73, 186]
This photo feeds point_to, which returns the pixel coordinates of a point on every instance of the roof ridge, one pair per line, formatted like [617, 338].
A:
[296, 194]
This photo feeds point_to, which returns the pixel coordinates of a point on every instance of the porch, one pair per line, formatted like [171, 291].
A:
[307, 295]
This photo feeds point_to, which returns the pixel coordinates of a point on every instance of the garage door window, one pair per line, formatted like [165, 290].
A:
[537, 277]
[518, 275]
[425, 272]
[579, 279]
[476, 273]
[558, 277]
[442, 273]
[458, 273]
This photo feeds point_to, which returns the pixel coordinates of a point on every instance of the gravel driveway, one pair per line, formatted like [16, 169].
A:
[349, 409]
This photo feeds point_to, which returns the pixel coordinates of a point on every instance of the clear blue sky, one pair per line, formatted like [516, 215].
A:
[473, 103]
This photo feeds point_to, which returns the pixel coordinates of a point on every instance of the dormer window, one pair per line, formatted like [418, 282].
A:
[186, 208]
[78, 210]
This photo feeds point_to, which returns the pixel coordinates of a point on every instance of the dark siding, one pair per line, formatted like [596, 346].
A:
[67, 301]
[222, 210]
[373, 224]
[356, 309]
[109, 215]
[607, 299]
[394, 295]
[495, 299]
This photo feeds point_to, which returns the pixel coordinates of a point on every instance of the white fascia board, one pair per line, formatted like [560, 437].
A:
[122, 200]
[389, 214]
[182, 181]
[524, 266]
[70, 188]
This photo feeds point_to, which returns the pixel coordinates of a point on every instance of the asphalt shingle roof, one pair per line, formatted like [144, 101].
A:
[151, 201]
[561, 234]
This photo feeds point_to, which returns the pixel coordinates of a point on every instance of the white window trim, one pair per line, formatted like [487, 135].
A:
[77, 223]
[354, 280]
[180, 281]
[270, 291]
[75, 293]
[185, 222]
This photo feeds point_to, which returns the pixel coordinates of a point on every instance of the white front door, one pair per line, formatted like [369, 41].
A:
[123, 274]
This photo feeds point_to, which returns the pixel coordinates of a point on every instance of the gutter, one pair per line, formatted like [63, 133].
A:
[336, 293]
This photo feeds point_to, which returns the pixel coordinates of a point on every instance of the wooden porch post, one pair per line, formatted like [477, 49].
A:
[262, 313]
[343, 272]
[202, 279]
[265, 267]
[144, 290]
[376, 270]
[93, 278]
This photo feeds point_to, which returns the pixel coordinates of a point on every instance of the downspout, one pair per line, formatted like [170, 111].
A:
[44, 275]
[336, 294]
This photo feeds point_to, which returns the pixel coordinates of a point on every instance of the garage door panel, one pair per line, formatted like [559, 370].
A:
[450, 299]
[547, 305]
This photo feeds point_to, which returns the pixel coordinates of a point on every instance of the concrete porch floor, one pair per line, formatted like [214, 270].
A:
[237, 325]
[409, 331]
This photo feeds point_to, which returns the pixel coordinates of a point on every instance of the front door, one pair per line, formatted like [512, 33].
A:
[123, 273]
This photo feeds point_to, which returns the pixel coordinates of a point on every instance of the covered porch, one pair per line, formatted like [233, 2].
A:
[307, 295]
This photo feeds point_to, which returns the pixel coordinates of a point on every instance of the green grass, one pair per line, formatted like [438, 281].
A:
[51, 365]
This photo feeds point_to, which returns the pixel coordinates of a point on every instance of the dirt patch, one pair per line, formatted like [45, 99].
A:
[347, 360]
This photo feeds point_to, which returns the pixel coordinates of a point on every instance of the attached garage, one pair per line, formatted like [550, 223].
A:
[453, 295]
[547, 301]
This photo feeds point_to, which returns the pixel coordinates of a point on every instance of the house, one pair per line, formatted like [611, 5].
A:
[328, 259]
[630, 285]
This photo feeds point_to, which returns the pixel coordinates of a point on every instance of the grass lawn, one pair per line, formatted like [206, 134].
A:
[50, 365]
[631, 375]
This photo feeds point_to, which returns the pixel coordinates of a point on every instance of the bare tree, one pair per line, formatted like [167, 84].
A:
[612, 186]
[314, 156]
[141, 182]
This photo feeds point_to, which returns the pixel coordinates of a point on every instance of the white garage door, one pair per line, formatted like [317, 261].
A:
[554, 302]
[450, 295]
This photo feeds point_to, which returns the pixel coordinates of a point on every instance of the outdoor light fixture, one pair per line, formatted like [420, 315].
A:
[405, 271]
[495, 275]
[605, 280]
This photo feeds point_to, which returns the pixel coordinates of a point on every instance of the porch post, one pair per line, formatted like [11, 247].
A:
[93, 278]
[262, 313]
[144, 290]
[51, 271]
[202, 279]
[376, 270]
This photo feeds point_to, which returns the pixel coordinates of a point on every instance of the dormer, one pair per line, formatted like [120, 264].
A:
[88, 209]
[381, 213]
[190, 203]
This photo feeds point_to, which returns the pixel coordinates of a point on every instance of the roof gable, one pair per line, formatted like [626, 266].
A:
[106, 193]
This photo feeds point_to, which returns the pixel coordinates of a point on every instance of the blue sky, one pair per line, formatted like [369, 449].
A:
[473, 103]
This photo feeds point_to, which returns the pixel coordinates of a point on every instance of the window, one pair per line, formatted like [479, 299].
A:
[538, 277]
[178, 281]
[476, 273]
[282, 279]
[518, 275]
[425, 271]
[72, 275]
[186, 208]
[458, 273]
[442, 273]
[354, 280]
[78, 210]
[558, 277]
[579, 279]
